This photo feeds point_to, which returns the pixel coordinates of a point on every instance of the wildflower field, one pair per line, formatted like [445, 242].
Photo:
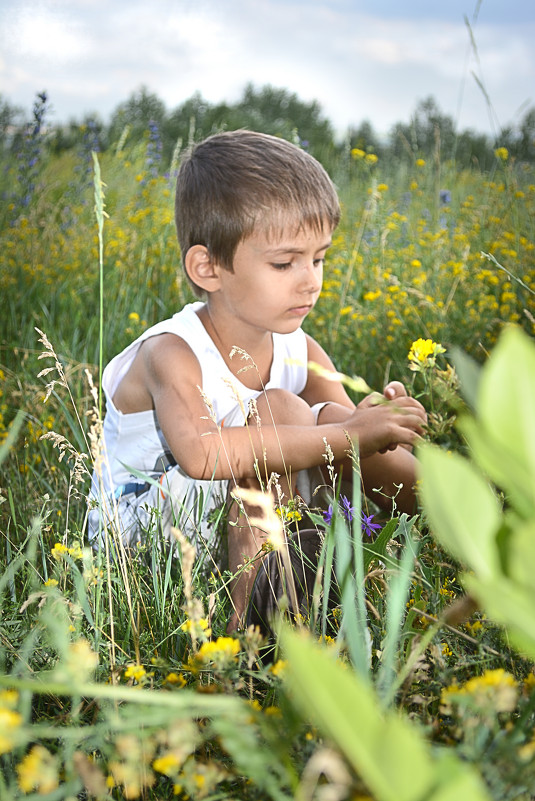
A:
[117, 677]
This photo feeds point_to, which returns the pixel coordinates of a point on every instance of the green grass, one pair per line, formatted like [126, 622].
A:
[117, 662]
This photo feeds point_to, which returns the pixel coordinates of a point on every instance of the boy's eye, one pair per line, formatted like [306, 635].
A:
[319, 262]
[284, 266]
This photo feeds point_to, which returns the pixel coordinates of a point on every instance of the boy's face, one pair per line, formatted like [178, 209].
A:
[276, 279]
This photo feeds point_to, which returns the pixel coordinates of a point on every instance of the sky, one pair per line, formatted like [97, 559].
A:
[360, 59]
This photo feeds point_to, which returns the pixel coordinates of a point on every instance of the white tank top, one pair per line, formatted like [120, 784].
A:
[136, 440]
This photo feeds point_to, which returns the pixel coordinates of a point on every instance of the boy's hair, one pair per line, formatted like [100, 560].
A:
[237, 182]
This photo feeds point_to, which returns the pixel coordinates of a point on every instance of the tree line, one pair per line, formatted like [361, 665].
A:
[144, 117]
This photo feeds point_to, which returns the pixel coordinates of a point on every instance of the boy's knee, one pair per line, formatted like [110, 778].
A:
[283, 407]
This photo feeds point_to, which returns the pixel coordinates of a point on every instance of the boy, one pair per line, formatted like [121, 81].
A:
[220, 395]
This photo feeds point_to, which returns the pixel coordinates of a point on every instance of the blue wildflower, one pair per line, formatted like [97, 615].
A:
[347, 509]
[368, 527]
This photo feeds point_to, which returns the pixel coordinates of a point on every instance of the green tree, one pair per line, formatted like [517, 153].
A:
[428, 132]
[141, 108]
[365, 138]
[11, 120]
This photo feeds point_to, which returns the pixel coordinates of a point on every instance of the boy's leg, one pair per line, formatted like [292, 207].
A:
[245, 541]
[392, 472]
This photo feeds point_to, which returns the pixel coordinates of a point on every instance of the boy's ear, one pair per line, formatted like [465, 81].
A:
[201, 268]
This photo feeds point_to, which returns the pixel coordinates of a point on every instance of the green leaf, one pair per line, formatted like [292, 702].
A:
[504, 441]
[462, 508]
[458, 783]
[469, 373]
[377, 548]
[521, 556]
[508, 604]
[384, 750]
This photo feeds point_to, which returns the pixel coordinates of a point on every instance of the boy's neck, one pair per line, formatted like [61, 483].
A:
[232, 338]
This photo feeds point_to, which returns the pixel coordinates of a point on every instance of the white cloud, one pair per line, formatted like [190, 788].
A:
[40, 34]
[91, 54]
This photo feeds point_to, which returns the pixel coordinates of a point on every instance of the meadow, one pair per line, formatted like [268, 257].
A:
[117, 677]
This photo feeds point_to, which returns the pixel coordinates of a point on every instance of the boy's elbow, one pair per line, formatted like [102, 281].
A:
[200, 467]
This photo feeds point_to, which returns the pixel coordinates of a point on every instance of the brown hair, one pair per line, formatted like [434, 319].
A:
[236, 182]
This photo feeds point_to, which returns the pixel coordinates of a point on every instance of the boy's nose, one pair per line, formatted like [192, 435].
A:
[311, 278]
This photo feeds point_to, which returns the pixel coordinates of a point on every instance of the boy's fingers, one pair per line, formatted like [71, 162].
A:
[394, 389]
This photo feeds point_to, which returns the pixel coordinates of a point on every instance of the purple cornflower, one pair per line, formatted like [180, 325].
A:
[154, 149]
[347, 509]
[368, 527]
[30, 154]
[328, 515]
[366, 521]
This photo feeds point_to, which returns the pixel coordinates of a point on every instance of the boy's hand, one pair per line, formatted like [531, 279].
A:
[395, 389]
[383, 424]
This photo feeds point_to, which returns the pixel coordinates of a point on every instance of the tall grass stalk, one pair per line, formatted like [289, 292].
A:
[100, 215]
[398, 591]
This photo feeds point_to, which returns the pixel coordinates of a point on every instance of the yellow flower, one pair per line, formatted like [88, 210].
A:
[166, 764]
[371, 158]
[529, 681]
[278, 668]
[420, 162]
[501, 153]
[175, 678]
[81, 660]
[50, 583]
[134, 316]
[10, 721]
[197, 628]
[222, 652]
[372, 294]
[423, 353]
[60, 550]
[357, 153]
[136, 672]
[495, 690]
[38, 770]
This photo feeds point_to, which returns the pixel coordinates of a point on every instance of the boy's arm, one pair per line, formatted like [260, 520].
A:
[318, 388]
[393, 472]
[173, 376]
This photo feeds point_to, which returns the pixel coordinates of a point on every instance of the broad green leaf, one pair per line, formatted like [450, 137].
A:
[508, 604]
[502, 464]
[458, 782]
[469, 373]
[462, 508]
[506, 411]
[521, 556]
[386, 750]
[507, 394]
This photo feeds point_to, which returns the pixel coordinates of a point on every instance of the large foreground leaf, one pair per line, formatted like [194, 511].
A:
[385, 749]
[462, 508]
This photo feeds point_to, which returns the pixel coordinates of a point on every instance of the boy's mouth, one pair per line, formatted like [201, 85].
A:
[301, 311]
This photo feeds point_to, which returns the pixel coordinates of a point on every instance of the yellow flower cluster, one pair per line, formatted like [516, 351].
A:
[10, 720]
[423, 353]
[361, 155]
[135, 672]
[414, 269]
[60, 550]
[495, 690]
[222, 651]
[38, 770]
